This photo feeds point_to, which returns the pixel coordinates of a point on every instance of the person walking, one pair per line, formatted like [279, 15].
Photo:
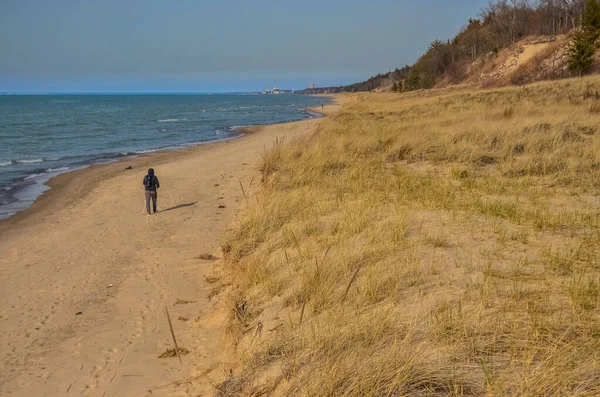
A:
[151, 185]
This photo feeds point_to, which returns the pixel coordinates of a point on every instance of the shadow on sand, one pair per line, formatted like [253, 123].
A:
[179, 206]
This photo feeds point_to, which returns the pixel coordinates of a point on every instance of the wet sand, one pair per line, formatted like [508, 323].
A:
[85, 276]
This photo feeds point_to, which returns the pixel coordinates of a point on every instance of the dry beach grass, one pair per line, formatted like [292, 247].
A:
[432, 243]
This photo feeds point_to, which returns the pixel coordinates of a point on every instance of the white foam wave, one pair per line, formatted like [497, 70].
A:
[30, 161]
[170, 120]
[32, 176]
[146, 151]
[5, 163]
[229, 130]
[57, 169]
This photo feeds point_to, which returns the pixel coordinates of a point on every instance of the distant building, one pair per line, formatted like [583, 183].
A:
[312, 86]
[277, 91]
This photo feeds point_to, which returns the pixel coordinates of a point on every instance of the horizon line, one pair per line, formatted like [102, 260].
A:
[137, 92]
[130, 92]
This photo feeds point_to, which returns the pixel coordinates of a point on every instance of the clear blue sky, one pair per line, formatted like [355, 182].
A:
[214, 45]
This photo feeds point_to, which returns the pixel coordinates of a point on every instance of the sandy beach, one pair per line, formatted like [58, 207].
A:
[85, 276]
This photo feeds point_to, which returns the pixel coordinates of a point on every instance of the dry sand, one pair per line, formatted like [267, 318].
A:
[85, 276]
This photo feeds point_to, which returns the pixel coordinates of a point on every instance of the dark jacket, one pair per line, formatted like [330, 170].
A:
[154, 184]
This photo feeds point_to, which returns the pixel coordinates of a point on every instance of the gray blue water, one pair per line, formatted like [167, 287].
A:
[41, 136]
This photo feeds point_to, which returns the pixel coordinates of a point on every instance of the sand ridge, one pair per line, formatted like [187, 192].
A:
[85, 276]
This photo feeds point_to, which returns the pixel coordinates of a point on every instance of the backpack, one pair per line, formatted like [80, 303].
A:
[149, 181]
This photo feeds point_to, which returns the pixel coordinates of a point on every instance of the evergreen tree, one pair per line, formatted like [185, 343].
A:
[584, 43]
[591, 17]
[582, 52]
[413, 80]
[395, 87]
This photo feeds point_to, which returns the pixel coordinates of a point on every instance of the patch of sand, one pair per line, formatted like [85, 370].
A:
[85, 276]
[530, 51]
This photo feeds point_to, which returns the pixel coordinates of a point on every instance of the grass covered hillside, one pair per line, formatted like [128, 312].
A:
[429, 243]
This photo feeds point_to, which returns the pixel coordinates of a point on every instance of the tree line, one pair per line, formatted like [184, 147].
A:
[499, 25]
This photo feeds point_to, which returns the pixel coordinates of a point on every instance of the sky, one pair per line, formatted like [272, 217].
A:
[214, 45]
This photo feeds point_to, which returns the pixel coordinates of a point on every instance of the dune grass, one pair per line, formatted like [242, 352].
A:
[433, 243]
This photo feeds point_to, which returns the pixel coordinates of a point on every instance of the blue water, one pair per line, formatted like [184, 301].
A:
[41, 136]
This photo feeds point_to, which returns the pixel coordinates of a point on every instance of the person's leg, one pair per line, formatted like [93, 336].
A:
[154, 202]
[148, 203]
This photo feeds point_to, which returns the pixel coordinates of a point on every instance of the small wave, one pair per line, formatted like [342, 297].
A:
[170, 120]
[144, 151]
[32, 176]
[229, 130]
[133, 152]
[5, 163]
[57, 169]
[29, 161]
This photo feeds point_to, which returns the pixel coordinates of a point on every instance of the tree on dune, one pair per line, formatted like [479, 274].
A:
[591, 17]
[583, 47]
[582, 52]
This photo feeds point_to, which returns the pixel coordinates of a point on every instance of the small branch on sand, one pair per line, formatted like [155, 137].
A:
[243, 191]
[174, 339]
[187, 384]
